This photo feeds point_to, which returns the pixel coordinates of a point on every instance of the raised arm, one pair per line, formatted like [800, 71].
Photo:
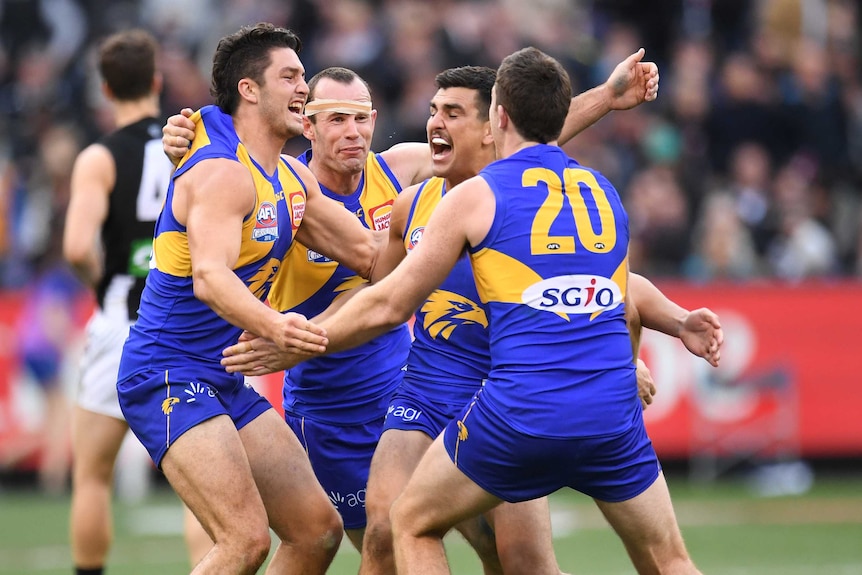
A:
[631, 83]
[93, 178]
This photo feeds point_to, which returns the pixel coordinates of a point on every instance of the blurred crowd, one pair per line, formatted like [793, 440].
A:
[749, 164]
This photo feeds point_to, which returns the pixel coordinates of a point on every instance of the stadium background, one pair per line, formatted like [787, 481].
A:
[743, 183]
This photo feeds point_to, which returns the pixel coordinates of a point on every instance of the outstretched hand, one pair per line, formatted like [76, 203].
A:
[633, 82]
[177, 135]
[702, 335]
[299, 339]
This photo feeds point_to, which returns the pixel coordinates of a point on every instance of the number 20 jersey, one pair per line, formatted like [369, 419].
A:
[552, 272]
[174, 326]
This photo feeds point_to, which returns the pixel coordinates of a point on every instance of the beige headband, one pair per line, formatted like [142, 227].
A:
[337, 106]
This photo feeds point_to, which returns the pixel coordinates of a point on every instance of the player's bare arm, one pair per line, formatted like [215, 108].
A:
[700, 329]
[253, 355]
[329, 229]
[211, 200]
[463, 217]
[93, 178]
[410, 162]
[631, 83]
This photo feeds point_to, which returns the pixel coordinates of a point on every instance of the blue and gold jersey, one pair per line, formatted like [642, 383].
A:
[552, 273]
[450, 355]
[308, 283]
[175, 327]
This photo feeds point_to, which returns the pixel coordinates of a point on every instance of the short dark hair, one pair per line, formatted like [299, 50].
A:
[246, 54]
[536, 92]
[127, 63]
[337, 74]
[478, 78]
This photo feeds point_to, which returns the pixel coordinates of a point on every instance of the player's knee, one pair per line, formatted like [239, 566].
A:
[249, 548]
[325, 536]
[378, 537]
[407, 522]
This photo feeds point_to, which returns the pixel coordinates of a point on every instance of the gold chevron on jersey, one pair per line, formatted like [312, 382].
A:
[300, 277]
[445, 310]
[619, 277]
[502, 278]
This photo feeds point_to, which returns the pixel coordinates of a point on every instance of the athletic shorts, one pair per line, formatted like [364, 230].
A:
[340, 456]
[100, 362]
[410, 410]
[517, 467]
[162, 405]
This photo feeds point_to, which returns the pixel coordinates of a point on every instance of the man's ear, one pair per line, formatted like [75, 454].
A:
[248, 89]
[502, 117]
[307, 128]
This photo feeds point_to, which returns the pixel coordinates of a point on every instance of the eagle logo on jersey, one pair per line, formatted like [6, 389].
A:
[168, 404]
[348, 284]
[261, 281]
[446, 310]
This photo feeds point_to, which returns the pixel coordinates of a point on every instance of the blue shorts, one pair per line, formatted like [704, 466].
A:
[340, 456]
[517, 467]
[409, 410]
[162, 405]
[45, 369]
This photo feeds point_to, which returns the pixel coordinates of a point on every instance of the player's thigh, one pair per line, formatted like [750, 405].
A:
[208, 468]
[397, 455]
[291, 493]
[438, 496]
[96, 440]
[646, 520]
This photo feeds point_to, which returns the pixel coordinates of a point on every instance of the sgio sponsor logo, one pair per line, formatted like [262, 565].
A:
[573, 294]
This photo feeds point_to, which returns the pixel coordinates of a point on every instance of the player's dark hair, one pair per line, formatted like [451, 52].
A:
[478, 78]
[127, 63]
[246, 54]
[535, 90]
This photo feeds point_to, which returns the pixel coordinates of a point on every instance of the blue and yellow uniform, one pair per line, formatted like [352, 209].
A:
[449, 358]
[560, 405]
[170, 377]
[336, 403]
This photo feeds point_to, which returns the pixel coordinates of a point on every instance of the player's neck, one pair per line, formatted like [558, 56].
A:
[131, 111]
[337, 182]
[260, 140]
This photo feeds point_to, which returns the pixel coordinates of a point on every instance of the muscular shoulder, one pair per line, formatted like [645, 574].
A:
[409, 161]
[301, 169]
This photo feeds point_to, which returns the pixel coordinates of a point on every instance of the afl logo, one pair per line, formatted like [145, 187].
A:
[415, 236]
[296, 201]
[266, 224]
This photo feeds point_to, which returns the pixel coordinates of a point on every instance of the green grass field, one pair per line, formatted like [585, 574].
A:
[728, 531]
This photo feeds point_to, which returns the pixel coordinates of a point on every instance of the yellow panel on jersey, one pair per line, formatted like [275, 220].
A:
[310, 281]
[510, 276]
